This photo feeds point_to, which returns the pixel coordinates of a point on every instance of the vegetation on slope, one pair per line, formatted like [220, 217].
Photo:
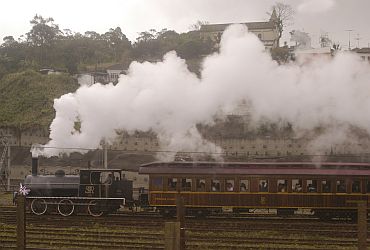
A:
[26, 98]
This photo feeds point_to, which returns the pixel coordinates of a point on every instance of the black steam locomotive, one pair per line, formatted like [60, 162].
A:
[94, 191]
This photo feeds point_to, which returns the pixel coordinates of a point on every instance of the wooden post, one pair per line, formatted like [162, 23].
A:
[362, 224]
[21, 222]
[180, 210]
[172, 236]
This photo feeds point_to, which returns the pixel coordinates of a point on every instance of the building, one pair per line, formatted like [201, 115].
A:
[267, 32]
[114, 71]
[364, 53]
[101, 77]
[304, 56]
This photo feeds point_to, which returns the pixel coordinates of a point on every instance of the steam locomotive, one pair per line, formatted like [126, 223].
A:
[94, 191]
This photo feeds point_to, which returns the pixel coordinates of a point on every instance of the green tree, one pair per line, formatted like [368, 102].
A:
[117, 42]
[8, 41]
[42, 35]
[280, 54]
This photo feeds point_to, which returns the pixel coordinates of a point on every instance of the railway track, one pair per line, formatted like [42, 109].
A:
[144, 232]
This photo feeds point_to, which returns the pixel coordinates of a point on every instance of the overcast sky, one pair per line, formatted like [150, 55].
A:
[133, 16]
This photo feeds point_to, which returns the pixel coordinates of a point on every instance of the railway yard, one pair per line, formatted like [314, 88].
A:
[146, 231]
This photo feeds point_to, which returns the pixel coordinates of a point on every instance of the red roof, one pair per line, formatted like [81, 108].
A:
[257, 168]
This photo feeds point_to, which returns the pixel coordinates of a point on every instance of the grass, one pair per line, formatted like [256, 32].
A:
[6, 199]
[217, 240]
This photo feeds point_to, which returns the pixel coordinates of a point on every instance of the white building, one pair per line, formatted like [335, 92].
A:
[267, 32]
[364, 53]
[114, 71]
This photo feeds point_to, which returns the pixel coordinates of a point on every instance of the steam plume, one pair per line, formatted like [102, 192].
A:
[169, 100]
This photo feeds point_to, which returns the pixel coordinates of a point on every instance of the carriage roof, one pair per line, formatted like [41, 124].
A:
[257, 168]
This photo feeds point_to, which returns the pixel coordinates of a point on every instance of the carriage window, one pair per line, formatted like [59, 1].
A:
[230, 185]
[201, 185]
[282, 185]
[263, 186]
[367, 186]
[157, 183]
[244, 185]
[215, 186]
[326, 186]
[186, 184]
[341, 186]
[356, 186]
[311, 185]
[297, 185]
[172, 183]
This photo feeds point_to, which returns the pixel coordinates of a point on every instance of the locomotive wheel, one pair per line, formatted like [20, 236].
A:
[39, 206]
[94, 209]
[66, 207]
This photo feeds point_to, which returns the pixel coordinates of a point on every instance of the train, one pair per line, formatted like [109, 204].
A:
[327, 189]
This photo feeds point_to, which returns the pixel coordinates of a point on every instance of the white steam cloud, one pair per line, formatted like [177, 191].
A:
[169, 100]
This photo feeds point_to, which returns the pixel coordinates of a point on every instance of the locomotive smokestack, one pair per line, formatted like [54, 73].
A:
[35, 150]
[35, 165]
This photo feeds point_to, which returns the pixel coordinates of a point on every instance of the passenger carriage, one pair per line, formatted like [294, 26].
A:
[326, 188]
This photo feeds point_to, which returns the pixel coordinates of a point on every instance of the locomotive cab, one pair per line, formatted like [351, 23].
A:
[104, 183]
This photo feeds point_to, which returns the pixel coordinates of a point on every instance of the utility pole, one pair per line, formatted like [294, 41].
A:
[358, 40]
[105, 154]
[8, 184]
[349, 39]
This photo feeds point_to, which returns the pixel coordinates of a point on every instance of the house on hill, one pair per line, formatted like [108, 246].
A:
[267, 32]
[104, 76]
[364, 53]
[114, 71]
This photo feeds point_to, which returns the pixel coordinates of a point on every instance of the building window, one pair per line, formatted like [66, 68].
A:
[260, 36]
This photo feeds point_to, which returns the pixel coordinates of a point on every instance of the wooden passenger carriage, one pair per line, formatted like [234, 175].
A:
[208, 187]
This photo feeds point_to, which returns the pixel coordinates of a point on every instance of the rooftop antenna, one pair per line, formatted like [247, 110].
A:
[349, 39]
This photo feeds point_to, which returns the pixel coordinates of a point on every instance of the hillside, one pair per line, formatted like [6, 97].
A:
[26, 98]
